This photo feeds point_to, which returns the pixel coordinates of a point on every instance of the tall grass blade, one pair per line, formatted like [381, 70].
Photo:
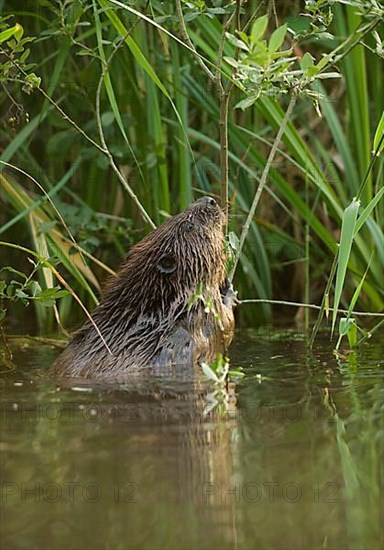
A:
[133, 46]
[346, 239]
[38, 202]
[378, 141]
[368, 210]
[107, 78]
[48, 264]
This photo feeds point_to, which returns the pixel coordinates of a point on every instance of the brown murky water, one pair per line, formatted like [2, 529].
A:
[290, 458]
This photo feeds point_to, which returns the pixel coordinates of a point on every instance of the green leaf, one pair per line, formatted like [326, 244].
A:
[21, 294]
[54, 293]
[233, 240]
[344, 325]
[8, 33]
[132, 45]
[209, 372]
[258, 28]
[247, 102]
[10, 291]
[306, 61]
[367, 210]
[12, 270]
[347, 326]
[277, 39]
[236, 42]
[324, 76]
[35, 288]
[378, 141]
[356, 294]
[232, 62]
[19, 32]
[46, 227]
[25, 55]
[72, 268]
[347, 234]
[352, 334]
[236, 374]
[323, 61]
[107, 78]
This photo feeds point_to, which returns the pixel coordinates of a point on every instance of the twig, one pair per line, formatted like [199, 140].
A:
[57, 107]
[262, 183]
[223, 130]
[184, 34]
[224, 95]
[7, 348]
[370, 333]
[309, 306]
[363, 31]
[107, 152]
[47, 196]
[324, 302]
[103, 149]
[47, 264]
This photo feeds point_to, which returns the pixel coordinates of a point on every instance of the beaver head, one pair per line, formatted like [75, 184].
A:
[163, 270]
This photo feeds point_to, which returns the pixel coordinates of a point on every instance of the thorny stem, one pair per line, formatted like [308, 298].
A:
[263, 181]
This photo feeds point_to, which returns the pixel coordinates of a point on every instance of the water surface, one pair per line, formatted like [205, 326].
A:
[289, 458]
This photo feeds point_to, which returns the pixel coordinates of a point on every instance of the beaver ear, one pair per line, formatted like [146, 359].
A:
[166, 264]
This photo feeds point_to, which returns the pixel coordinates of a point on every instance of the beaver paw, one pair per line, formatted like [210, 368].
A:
[229, 295]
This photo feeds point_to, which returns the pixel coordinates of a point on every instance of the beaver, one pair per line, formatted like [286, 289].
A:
[170, 303]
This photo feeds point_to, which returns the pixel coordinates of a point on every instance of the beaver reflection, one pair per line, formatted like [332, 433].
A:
[150, 314]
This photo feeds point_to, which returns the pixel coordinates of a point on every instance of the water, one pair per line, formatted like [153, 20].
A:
[289, 458]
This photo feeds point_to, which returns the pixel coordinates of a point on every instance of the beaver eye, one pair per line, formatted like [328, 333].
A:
[189, 226]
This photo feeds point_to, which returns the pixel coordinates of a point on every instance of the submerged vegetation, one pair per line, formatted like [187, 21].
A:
[116, 114]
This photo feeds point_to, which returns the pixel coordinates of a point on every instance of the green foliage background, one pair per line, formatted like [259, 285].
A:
[160, 116]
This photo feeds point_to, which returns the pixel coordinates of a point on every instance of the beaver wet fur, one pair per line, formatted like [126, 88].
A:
[149, 315]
